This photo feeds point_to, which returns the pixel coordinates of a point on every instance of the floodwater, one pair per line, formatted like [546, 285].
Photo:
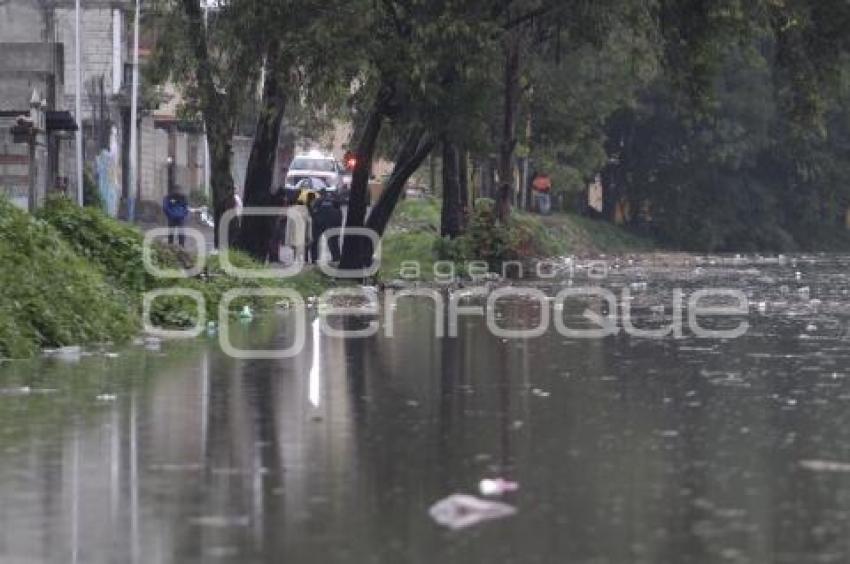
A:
[626, 449]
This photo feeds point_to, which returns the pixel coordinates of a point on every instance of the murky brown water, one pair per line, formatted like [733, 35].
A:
[626, 450]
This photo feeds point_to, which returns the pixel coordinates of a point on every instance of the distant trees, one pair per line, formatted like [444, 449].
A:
[421, 74]
[722, 123]
[741, 144]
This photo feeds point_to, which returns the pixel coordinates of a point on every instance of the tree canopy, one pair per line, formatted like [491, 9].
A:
[718, 125]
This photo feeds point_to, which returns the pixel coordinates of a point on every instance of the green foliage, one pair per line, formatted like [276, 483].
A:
[416, 215]
[490, 241]
[411, 236]
[414, 236]
[573, 95]
[91, 193]
[49, 296]
[725, 122]
[741, 174]
[587, 237]
[115, 249]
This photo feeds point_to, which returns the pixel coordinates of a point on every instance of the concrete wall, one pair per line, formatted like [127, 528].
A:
[25, 21]
[97, 53]
[21, 21]
[29, 62]
[153, 156]
[37, 50]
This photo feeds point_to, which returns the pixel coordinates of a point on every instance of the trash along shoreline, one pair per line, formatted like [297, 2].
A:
[74, 277]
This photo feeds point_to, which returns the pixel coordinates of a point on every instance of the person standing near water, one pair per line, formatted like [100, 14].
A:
[176, 208]
[542, 186]
[326, 215]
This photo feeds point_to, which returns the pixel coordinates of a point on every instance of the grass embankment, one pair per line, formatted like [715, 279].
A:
[49, 295]
[414, 235]
[71, 275]
[74, 276]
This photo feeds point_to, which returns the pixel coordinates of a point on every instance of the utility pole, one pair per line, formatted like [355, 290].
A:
[134, 119]
[37, 125]
[79, 104]
[207, 171]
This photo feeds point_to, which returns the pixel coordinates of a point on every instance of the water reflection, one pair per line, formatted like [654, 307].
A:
[627, 450]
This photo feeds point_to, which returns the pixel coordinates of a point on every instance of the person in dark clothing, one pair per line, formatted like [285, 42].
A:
[176, 209]
[326, 215]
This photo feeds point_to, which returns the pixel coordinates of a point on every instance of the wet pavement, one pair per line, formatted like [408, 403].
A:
[625, 449]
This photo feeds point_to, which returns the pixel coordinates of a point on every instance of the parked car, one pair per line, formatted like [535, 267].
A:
[317, 166]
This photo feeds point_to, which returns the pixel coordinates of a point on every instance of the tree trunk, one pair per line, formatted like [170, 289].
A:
[219, 136]
[450, 218]
[410, 157]
[217, 118]
[355, 250]
[256, 231]
[463, 174]
[432, 174]
[509, 125]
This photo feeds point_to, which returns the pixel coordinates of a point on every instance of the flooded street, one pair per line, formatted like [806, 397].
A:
[625, 449]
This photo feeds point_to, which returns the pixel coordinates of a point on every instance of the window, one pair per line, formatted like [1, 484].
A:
[323, 165]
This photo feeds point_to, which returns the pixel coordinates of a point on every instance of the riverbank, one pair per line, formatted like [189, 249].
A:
[414, 237]
[73, 276]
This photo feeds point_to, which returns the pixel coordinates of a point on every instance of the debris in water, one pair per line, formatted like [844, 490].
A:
[106, 397]
[496, 486]
[825, 466]
[170, 467]
[221, 552]
[237, 471]
[459, 511]
[246, 314]
[22, 391]
[111, 355]
[811, 327]
[540, 393]
[221, 521]
[69, 354]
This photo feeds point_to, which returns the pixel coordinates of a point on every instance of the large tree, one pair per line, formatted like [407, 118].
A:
[212, 57]
[419, 73]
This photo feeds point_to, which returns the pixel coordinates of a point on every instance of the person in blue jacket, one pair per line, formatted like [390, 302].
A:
[176, 209]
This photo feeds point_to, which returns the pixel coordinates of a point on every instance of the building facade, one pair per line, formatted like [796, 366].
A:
[37, 40]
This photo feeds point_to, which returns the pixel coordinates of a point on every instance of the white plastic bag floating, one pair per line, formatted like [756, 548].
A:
[459, 511]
